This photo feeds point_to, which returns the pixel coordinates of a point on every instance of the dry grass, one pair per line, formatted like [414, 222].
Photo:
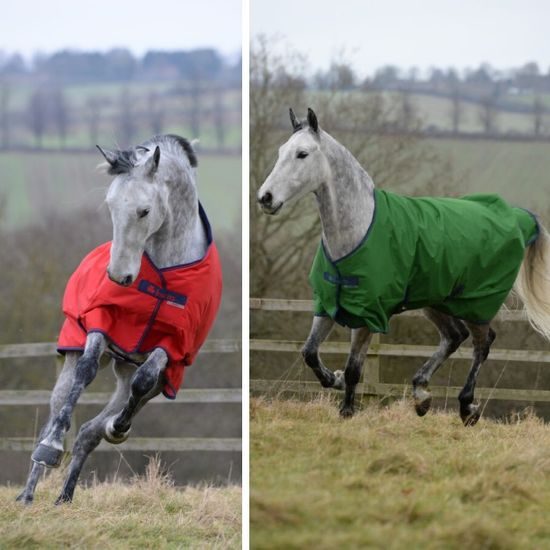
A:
[147, 513]
[388, 479]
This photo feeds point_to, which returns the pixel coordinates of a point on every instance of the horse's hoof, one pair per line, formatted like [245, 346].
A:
[112, 435]
[63, 499]
[346, 411]
[339, 382]
[471, 415]
[24, 499]
[422, 401]
[47, 456]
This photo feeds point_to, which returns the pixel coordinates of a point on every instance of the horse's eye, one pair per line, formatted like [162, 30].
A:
[143, 213]
[302, 155]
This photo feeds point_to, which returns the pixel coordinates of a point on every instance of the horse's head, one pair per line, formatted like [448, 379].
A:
[301, 167]
[138, 201]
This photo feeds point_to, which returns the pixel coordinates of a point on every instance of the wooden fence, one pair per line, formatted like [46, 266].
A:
[373, 385]
[40, 397]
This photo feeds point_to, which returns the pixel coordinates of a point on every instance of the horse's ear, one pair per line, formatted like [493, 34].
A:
[153, 162]
[109, 156]
[312, 120]
[293, 120]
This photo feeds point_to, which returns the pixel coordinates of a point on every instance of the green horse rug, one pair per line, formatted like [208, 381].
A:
[459, 256]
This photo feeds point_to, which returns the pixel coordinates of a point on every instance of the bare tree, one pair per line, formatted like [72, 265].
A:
[538, 112]
[219, 116]
[195, 105]
[37, 115]
[60, 114]
[407, 118]
[5, 95]
[93, 107]
[456, 111]
[487, 114]
[155, 112]
[126, 117]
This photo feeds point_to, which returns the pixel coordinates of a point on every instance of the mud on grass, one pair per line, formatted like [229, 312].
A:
[149, 512]
[388, 479]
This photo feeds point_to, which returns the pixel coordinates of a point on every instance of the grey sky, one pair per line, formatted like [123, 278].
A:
[422, 33]
[30, 25]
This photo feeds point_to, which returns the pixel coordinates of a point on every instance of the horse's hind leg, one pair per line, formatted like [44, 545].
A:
[483, 336]
[146, 383]
[59, 394]
[360, 339]
[320, 329]
[452, 333]
[50, 449]
[91, 432]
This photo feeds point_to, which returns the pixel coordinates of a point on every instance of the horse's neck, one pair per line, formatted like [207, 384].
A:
[182, 238]
[346, 201]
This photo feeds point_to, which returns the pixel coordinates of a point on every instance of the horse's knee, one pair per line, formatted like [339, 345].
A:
[86, 370]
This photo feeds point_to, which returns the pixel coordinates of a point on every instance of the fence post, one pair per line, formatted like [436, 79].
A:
[372, 372]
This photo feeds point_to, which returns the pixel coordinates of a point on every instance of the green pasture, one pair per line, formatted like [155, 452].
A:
[34, 185]
[436, 111]
[519, 171]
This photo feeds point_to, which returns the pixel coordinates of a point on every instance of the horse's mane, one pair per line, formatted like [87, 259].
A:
[125, 160]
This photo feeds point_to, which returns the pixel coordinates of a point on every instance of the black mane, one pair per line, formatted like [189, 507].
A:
[123, 161]
[187, 148]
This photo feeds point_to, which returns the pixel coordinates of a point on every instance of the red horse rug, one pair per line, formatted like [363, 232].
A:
[171, 308]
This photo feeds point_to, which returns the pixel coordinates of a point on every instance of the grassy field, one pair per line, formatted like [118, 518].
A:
[173, 104]
[36, 184]
[435, 111]
[519, 171]
[388, 479]
[148, 513]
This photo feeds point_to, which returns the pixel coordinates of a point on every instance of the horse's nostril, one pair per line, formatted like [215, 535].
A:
[267, 199]
[127, 281]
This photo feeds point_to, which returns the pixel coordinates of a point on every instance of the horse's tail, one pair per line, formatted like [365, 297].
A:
[533, 283]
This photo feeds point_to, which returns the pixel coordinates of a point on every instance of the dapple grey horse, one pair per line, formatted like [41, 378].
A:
[312, 161]
[153, 201]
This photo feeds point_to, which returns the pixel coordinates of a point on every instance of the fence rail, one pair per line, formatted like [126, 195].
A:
[41, 397]
[374, 386]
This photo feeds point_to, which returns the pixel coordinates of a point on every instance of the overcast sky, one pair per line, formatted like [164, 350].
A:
[28, 26]
[421, 33]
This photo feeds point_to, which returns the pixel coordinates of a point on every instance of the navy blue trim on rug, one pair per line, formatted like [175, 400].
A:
[147, 287]
[350, 281]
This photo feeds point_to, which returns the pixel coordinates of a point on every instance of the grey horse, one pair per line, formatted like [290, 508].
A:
[154, 208]
[312, 161]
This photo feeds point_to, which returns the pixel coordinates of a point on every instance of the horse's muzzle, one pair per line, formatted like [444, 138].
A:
[125, 280]
[266, 202]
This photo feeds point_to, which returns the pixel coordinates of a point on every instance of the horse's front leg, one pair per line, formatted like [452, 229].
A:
[92, 432]
[59, 394]
[320, 329]
[146, 383]
[360, 339]
[50, 449]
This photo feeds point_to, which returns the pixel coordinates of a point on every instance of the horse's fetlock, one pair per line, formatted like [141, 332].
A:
[419, 381]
